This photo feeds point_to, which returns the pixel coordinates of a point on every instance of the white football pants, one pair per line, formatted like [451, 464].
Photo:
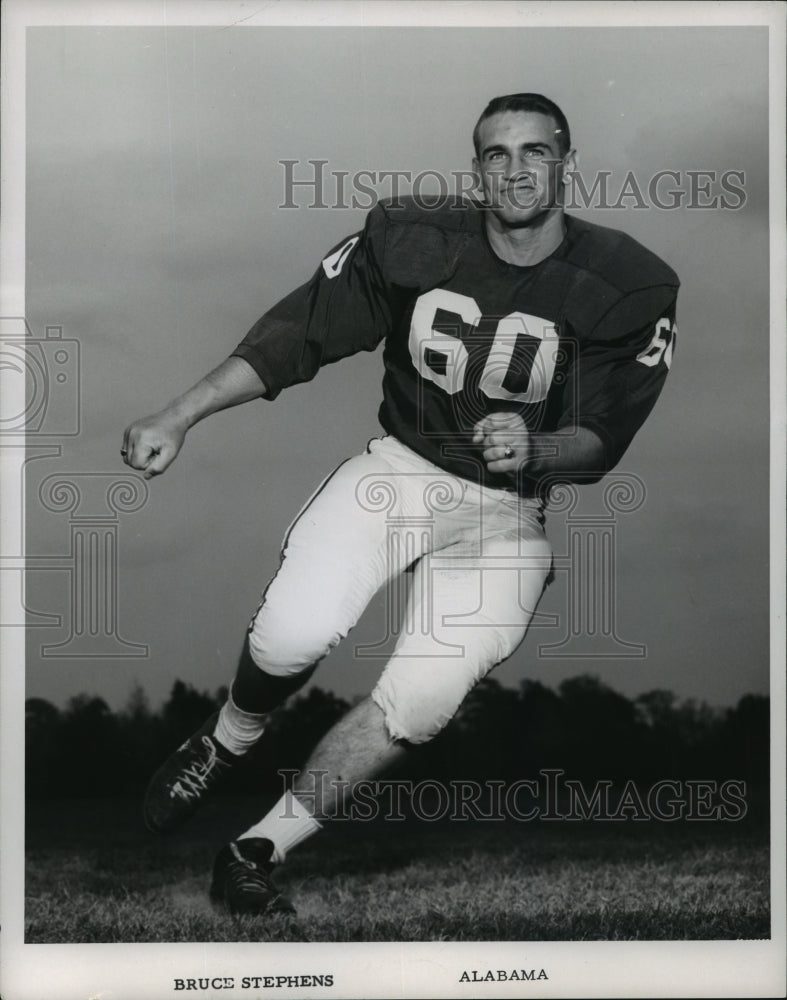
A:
[480, 563]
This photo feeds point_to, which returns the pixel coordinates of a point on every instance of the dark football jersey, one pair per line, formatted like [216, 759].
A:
[582, 339]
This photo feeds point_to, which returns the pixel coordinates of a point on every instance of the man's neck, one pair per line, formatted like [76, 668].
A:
[526, 245]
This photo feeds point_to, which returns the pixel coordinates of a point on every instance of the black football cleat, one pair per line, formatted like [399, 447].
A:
[242, 879]
[185, 780]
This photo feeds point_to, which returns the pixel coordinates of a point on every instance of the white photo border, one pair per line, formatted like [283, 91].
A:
[576, 969]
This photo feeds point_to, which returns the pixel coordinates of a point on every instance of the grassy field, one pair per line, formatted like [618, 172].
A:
[95, 875]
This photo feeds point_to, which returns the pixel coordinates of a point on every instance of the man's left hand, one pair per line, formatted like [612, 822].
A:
[505, 439]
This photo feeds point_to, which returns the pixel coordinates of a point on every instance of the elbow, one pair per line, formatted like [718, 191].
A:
[601, 462]
[597, 456]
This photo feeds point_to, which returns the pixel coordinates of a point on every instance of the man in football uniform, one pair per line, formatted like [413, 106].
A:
[522, 347]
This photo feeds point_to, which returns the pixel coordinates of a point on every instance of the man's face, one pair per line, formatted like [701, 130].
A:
[520, 166]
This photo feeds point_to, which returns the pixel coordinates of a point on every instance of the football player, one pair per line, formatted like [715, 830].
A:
[521, 347]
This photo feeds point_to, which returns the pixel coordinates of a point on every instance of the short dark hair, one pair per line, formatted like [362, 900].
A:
[529, 103]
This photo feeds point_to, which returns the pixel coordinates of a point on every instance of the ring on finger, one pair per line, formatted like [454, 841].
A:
[508, 451]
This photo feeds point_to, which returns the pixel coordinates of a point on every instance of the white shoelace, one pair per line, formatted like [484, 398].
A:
[195, 778]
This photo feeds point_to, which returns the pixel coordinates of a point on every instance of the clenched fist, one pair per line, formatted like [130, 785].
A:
[152, 444]
[505, 439]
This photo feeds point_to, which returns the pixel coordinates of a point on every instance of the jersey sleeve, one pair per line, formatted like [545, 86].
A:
[620, 370]
[342, 310]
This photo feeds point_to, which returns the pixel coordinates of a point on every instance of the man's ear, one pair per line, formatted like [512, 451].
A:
[569, 165]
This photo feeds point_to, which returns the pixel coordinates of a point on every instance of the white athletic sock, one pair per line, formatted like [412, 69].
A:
[237, 730]
[287, 824]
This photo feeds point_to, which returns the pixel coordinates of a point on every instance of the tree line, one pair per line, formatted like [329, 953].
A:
[585, 728]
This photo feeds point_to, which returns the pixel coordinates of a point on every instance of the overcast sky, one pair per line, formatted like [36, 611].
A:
[155, 239]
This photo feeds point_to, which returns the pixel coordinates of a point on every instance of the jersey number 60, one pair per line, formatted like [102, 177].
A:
[442, 358]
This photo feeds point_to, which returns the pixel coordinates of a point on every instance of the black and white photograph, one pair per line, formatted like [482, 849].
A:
[392, 440]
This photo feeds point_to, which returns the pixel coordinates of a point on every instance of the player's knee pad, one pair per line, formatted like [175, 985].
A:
[419, 695]
[287, 648]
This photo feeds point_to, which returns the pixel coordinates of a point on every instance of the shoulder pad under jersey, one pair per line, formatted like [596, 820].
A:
[613, 270]
[423, 242]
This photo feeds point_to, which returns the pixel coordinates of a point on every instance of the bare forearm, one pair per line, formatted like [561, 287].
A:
[233, 382]
[152, 444]
[574, 453]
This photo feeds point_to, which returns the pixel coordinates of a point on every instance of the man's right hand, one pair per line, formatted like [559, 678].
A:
[152, 444]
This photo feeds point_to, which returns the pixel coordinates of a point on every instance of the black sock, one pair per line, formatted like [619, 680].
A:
[254, 690]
